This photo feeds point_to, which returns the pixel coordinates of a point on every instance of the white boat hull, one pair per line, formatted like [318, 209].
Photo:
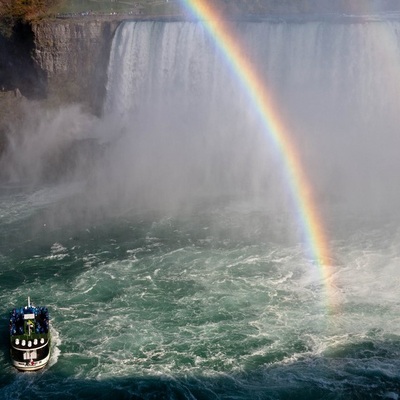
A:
[33, 365]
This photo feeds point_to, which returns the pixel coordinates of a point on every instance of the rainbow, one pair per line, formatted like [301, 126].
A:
[299, 186]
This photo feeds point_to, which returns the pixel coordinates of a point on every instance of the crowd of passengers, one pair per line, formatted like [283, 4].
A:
[17, 320]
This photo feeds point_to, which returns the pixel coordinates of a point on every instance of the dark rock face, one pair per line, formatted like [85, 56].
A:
[18, 69]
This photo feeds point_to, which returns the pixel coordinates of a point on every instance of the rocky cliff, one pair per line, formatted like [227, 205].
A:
[57, 62]
[73, 55]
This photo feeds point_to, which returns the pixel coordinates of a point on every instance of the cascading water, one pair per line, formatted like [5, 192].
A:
[336, 86]
[172, 264]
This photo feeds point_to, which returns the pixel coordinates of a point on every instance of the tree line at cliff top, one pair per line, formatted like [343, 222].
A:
[26, 9]
[16, 11]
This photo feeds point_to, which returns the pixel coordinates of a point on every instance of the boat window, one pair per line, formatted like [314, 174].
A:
[30, 355]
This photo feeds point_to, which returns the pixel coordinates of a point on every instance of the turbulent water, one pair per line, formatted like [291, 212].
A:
[169, 250]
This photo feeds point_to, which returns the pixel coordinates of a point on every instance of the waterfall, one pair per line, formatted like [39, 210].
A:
[336, 84]
[353, 63]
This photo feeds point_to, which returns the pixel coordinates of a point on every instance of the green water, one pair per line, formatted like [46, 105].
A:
[194, 306]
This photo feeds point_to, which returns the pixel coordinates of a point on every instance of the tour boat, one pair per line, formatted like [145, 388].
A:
[29, 337]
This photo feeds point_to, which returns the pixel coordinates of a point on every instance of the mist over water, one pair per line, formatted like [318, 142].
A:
[163, 237]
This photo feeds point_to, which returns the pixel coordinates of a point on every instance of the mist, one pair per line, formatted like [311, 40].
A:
[177, 129]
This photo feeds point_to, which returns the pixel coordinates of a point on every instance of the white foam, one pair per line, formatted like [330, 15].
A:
[55, 346]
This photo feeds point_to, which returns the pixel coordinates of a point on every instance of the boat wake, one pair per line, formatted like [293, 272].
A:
[55, 346]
